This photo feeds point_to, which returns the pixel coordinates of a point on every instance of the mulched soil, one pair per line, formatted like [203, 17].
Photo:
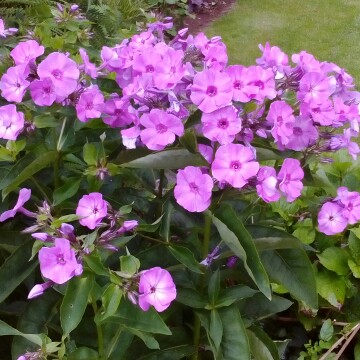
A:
[210, 11]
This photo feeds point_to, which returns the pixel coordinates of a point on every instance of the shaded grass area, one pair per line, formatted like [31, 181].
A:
[328, 29]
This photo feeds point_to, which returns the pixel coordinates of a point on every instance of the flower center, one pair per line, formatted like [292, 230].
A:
[149, 69]
[297, 131]
[223, 124]
[211, 90]
[57, 74]
[235, 165]
[152, 289]
[237, 85]
[89, 106]
[259, 84]
[193, 187]
[95, 210]
[60, 259]
[161, 128]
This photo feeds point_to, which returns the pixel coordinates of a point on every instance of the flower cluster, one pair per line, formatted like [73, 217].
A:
[337, 214]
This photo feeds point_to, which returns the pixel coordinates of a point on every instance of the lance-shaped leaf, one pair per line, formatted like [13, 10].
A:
[238, 239]
[16, 269]
[168, 159]
[262, 347]
[6, 329]
[75, 301]
[185, 256]
[292, 268]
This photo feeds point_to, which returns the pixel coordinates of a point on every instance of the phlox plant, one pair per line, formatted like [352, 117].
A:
[158, 203]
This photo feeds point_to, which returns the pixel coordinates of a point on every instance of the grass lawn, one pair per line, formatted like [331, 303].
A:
[328, 29]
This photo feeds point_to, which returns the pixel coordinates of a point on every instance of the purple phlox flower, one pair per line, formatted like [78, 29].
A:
[170, 70]
[345, 81]
[350, 200]
[204, 44]
[234, 164]
[160, 26]
[344, 112]
[128, 225]
[39, 289]
[147, 61]
[306, 62]
[315, 88]
[281, 117]
[6, 32]
[126, 54]
[13, 83]
[304, 134]
[290, 176]
[263, 80]
[63, 72]
[193, 189]
[90, 104]
[130, 136]
[110, 59]
[91, 209]
[11, 122]
[267, 184]
[242, 90]
[216, 56]
[337, 142]
[43, 92]
[118, 112]
[274, 58]
[207, 152]
[88, 67]
[177, 108]
[138, 87]
[231, 262]
[221, 125]
[322, 114]
[24, 196]
[156, 288]
[59, 263]
[211, 257]
[140, 40]
[42, 236]
[160, 130]
[125, 77]
[331, 220]
[26, 52]
[211, 90]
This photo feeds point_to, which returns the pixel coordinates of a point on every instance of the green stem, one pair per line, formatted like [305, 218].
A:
[161, 184]
[99, 333]
[153, 239]
[205, 252]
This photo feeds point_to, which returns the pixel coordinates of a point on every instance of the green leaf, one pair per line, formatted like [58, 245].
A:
[232, 294]
[185, 256]
[45, 121]
[327, 330]
[64, 219]
[90, 154]
[355, 268]
[16, 269]
[335, 259]
[238, 239]
[93, 261]
[133, 317]
[216, 328]
[6, 330]
[116, 341]
[292, 269]
[305, 231]
[75, 301]
[129, 264]
[331, 287]
[188, 141]
[357, 351]
[148, 339]
[214, 287]
[41, 162]
[190, 297]
[269, 238]
[149, 227]
[83, 353]
[262, 347]
[235, 343]
[168, 159]
[354, 244]
[69, 189]
[110, 301]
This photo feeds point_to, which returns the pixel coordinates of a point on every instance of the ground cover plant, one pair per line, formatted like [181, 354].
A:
[158, 203]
